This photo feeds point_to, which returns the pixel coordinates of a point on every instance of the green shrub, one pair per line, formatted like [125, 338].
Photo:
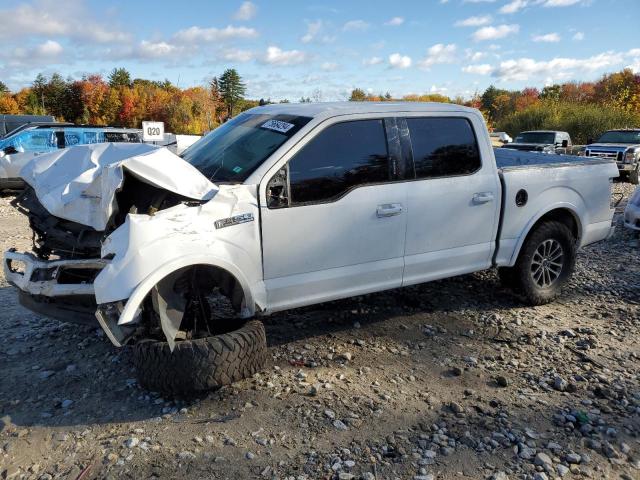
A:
[582, 121]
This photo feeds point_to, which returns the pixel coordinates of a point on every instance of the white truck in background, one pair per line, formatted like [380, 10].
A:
[292, 205]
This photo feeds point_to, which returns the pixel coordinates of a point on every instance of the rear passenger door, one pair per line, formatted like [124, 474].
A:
[453, 201]
[334, 217]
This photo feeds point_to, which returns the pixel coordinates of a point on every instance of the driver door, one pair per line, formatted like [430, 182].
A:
[334, 218]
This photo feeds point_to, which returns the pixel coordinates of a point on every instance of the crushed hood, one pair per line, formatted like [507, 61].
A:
[80, 183]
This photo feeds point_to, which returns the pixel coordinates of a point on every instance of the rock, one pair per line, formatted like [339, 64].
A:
[346, 356]
[346, 476]
[132, 442]
[502, 381]
[540, 476]
[573, 458]
[560, 384]
[330, 414]
[562, 470]
[46, 374]
[499, 476]
[339, 424]
[249, 456]
[423, 477]
[186, 455]
[543, 460]
[368, 476]
[526, 453]
[66, 403]
[456, 407]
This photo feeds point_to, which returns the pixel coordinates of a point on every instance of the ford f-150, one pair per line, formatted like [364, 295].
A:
[286, 206]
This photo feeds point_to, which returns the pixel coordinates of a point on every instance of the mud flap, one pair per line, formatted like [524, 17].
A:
[170, 307]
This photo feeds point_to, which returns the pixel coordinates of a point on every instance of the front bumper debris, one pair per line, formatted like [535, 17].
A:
[60, 289]
[51, 278]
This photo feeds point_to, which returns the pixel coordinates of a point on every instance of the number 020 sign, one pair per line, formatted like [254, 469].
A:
[152, 131]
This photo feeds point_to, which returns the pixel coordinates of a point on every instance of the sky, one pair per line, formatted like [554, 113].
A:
[324, 49]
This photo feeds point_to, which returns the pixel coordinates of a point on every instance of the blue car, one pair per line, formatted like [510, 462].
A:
[18, 147]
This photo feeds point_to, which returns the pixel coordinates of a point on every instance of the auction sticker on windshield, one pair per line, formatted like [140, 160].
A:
[278, 126]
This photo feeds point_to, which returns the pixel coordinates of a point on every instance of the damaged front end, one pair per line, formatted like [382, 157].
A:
[145, 244]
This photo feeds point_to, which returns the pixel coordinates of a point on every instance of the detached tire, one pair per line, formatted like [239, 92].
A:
[202, 364]
[545, 263]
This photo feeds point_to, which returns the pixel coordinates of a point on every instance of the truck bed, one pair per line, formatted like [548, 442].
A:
[507, 159]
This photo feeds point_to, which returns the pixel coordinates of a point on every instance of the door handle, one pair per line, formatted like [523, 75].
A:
[389, 210]
[483, 197]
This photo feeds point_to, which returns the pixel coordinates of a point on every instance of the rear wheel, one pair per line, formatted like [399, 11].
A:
[546, 262]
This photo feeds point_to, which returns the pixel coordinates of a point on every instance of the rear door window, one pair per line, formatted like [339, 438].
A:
[443, 147]
[341, 157]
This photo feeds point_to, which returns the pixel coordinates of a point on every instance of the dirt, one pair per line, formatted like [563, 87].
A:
[452, 379]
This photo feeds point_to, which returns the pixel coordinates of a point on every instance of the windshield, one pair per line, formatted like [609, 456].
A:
[536, 137]
[235, 149]
[620, 136]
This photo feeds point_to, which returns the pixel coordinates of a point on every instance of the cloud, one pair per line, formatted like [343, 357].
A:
[474, 56]
[399, 61]
[277, 56]
[238, 55]
[355, 26]
[513, 6]
[148, 49]
[578, 36]
[329, 66]
[483, 69]
[212, 34]
[476, 21]
[395, 21]
[62, 18]
[493, 33]
[49, 51]
[246, 11]
[546, 38]
[372, 61]
[439, 53]
[314, 30]
[524, 68]
[559, 3]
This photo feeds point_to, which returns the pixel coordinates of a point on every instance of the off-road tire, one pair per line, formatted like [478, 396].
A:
[533, 293]
[202, 364]
[633, 176]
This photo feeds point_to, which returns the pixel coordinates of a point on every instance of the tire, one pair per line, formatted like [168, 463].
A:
[539, 253]
[633, 176]
[202, 364]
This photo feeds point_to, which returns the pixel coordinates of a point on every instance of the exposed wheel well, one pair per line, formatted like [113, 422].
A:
[562, 215]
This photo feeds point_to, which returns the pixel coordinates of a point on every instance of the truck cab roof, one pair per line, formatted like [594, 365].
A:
[334, 109]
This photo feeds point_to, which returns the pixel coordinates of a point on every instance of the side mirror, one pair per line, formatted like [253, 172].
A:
[277, 191]
[565, 143]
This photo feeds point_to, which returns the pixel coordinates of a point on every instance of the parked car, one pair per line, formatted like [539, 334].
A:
[30, 140]
[632, 212]
[623, 146]
[291, 205]
[8, 123]
[498, 139]
[545, 141]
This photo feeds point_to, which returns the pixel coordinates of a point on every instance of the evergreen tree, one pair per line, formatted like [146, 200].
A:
[119, 77]
[232, 89]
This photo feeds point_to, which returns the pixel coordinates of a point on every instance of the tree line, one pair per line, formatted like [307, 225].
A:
[584, 109]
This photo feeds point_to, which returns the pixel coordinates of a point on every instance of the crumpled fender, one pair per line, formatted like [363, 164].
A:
[147, 248]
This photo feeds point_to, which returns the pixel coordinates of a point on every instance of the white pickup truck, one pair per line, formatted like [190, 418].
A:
[286, 206]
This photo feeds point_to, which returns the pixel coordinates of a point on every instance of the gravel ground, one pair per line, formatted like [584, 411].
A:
[452, 379]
